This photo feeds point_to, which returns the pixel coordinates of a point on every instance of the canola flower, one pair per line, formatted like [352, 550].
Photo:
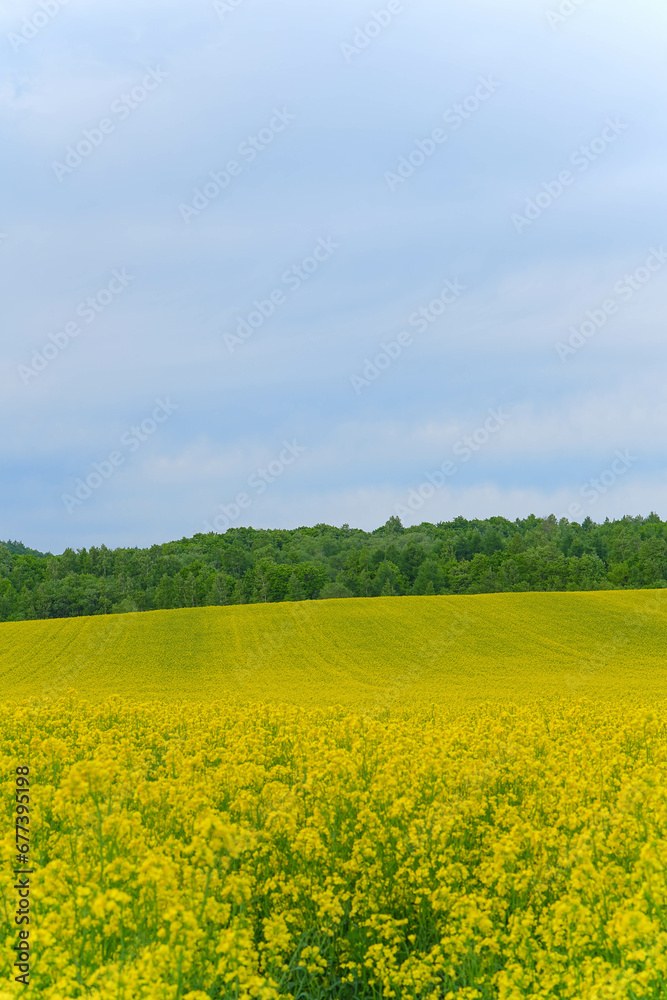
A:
[227, 850]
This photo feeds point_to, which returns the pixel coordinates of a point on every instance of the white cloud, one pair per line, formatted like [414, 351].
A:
[495, 348]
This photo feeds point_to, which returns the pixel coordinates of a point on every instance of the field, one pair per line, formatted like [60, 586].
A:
[400, 797]
[366, 653]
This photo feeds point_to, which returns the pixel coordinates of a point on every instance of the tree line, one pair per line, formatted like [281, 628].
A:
[248, 565]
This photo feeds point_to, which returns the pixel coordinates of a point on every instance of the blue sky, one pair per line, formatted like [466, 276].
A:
[162, 348]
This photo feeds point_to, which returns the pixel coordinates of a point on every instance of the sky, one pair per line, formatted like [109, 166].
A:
[278, 264]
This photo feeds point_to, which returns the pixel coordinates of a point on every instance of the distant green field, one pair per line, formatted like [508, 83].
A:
[370, 652]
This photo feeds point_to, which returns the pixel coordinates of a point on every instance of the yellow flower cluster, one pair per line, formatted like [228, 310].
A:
[467, 852]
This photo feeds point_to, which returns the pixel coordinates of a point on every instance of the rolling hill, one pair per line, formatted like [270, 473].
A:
[364, 653]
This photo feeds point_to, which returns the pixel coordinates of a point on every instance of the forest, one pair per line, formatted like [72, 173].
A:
[248, 565]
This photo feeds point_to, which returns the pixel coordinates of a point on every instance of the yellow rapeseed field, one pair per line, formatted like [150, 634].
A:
[361, 653]
[404, 797]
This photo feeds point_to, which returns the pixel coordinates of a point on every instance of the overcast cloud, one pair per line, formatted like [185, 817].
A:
[299, 253]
